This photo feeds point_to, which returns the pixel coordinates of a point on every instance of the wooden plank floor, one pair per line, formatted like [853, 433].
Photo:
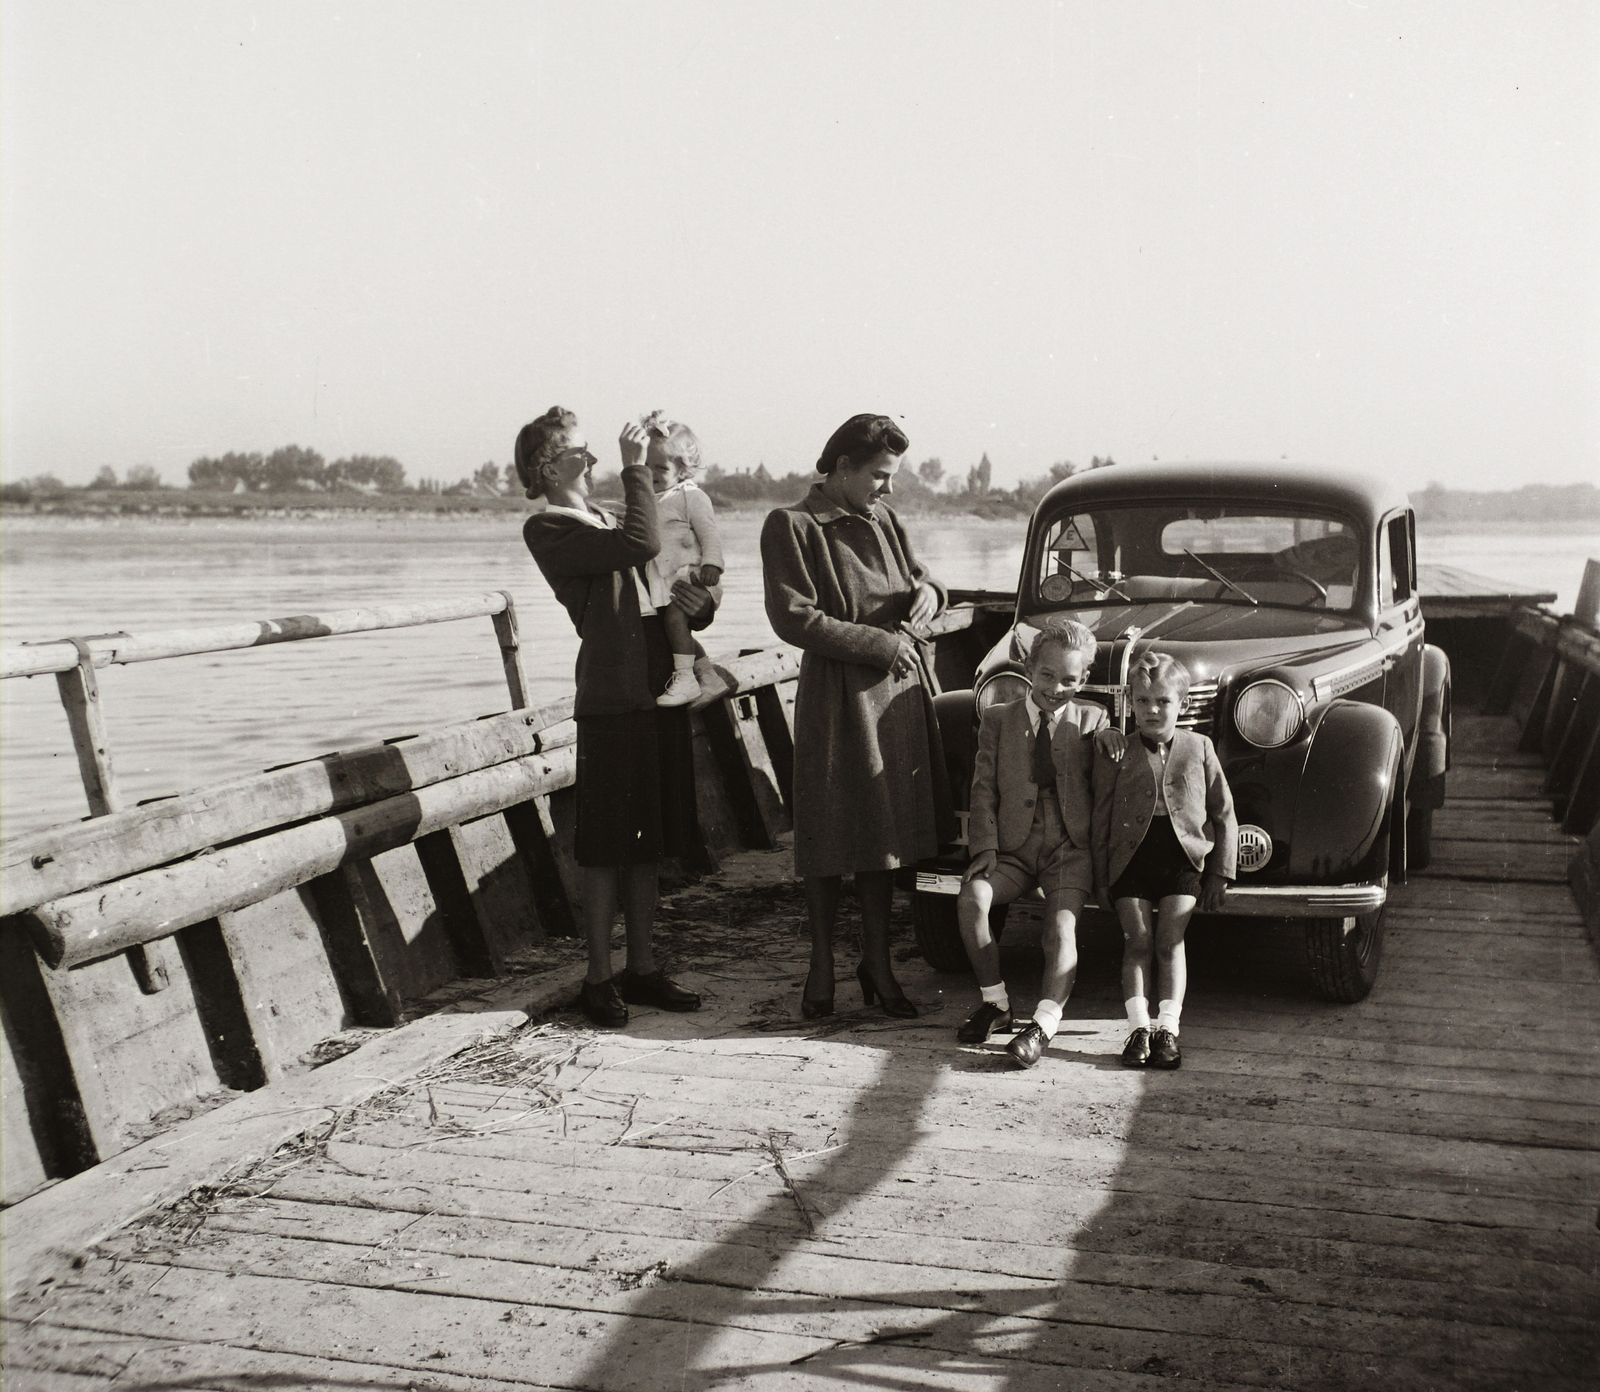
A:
[1399, 1194]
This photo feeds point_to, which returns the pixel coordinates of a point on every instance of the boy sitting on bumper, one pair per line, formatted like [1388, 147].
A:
[1030, 825]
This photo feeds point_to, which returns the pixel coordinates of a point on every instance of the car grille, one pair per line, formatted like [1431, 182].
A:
[1199, 711]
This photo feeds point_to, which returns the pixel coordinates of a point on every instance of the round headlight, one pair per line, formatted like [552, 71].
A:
[1008, 686]
[1268, 714]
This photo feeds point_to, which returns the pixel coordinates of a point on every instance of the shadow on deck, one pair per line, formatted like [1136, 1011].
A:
[1396, 1194]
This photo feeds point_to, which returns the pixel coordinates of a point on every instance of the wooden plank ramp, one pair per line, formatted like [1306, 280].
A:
[1399, 1194]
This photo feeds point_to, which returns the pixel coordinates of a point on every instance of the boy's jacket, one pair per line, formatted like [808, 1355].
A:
[1198, 801]
[1003, 790]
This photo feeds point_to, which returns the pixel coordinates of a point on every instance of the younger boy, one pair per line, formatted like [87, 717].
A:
[1165, 841]
[1030, 825]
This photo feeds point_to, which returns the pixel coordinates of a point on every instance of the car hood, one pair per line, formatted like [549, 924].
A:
[1210, 637]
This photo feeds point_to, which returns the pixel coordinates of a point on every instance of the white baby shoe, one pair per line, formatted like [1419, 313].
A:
[682, 689]
[712, 686]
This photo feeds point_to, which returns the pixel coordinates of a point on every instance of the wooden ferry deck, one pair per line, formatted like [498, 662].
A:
[1398, 1194]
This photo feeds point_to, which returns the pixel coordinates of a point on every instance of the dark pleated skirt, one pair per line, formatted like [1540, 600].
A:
[635, 781]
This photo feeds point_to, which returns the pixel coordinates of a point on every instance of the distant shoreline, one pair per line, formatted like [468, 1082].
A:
[176, 507]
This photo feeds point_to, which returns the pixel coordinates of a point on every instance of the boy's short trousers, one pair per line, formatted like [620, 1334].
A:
[1046, 859]
[1159, 867]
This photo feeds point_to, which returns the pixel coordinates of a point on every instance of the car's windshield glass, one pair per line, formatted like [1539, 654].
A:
[1215, 552]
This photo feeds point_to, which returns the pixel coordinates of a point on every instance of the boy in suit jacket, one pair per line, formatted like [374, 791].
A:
[1030, 825]
[1165, 842]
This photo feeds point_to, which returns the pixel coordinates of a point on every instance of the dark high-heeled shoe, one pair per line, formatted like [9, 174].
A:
[815, 1007]
[896, 1006]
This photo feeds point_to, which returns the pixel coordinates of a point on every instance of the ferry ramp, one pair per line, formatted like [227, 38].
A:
[1396, 1194]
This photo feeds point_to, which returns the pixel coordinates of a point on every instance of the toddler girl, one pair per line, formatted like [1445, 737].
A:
[690, 548]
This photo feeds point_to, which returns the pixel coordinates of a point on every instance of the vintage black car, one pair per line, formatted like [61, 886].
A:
[1290, 595]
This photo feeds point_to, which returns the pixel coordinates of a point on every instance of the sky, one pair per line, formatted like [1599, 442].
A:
[1350, 233]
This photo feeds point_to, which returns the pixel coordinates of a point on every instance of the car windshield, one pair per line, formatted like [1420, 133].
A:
[1230, 553]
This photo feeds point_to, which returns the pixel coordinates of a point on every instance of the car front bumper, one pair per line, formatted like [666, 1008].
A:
[1255, 901]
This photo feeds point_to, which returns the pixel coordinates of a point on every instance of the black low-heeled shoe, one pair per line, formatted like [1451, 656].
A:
[814, 1007]
[898, 1006]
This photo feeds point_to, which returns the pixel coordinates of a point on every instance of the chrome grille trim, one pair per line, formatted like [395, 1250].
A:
[1200, 710]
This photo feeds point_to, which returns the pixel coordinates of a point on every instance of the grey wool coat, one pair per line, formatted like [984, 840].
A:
[838, 585]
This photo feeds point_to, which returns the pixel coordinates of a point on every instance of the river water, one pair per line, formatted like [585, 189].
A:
[186, 722]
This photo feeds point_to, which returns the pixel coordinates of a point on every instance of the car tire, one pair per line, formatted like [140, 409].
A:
[1419, 838]
[1344, 954]
[933, 916]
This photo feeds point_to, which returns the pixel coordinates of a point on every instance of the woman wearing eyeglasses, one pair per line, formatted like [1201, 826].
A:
[635, 781]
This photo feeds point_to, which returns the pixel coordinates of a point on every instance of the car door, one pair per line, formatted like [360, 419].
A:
[1400, 629]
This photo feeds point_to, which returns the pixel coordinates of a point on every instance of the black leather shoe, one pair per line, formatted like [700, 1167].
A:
[602, 1004]
[1164, 1050]
[1136, 1052]
[1026, 1048]
[987, 1019]
[654, 988]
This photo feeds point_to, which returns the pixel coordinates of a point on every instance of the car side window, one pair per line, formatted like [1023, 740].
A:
[1397, 573]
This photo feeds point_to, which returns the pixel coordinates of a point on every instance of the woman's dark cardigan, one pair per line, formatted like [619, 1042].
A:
[591, 570]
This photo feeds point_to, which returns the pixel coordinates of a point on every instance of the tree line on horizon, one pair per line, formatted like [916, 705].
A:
[927, 486]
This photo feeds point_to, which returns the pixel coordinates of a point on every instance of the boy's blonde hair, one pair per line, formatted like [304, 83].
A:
[685, 442]
[1067, 634]
[1160, 669]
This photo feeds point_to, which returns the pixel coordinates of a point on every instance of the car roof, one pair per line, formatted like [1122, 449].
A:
[1343, 490]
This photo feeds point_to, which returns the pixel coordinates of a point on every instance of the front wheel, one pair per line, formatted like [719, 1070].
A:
[1344, 954]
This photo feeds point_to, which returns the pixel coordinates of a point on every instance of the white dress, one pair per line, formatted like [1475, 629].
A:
[688, 528]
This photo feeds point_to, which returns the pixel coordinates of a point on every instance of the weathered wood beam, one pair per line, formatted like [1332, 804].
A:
[505, 630]
[1571, 641]
[80, 699]
[35, 659]
[65, 859]
[54, 1103]
[155, 903]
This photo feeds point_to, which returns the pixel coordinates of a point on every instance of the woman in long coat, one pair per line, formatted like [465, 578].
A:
[841, 579]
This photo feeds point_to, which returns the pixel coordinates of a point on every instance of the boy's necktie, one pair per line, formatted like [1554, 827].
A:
[1044, 763]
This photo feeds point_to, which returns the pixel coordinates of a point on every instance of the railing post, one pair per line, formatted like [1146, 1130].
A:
[505, 629]
[80, 698]
[1587, 608]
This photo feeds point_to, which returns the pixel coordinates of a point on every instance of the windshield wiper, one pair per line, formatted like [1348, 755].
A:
[1218, 575]
[1101, 587]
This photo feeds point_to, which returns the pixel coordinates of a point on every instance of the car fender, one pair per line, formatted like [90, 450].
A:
[1342, 813]
[957, 714]
[1427, 783]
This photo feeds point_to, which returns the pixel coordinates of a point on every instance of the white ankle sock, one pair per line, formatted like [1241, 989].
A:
[1167, 1015]
[1047, 1015]
[996, 995]
[1138, 1012]
[683, 662]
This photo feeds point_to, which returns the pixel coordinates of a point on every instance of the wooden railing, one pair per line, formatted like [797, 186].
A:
[1548, 680]
[153, 953]
[75, 661]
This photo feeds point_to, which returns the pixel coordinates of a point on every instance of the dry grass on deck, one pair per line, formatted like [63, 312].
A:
[1399, 1194]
